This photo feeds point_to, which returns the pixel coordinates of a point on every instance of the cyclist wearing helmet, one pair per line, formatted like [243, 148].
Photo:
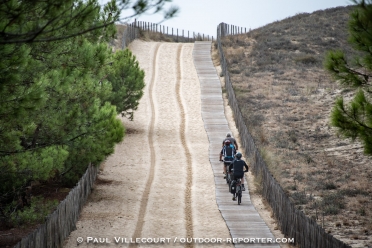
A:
[238, 164]
[232, 140]
[228, 152]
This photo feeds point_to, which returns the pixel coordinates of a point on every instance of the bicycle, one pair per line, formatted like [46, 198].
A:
[238, 191]
[228, 174]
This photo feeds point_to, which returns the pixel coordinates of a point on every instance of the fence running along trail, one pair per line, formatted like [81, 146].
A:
[137, 28]
[292, 222]
[63, 220]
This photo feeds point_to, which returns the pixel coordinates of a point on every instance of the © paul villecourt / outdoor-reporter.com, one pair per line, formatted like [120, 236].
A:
[164, 240]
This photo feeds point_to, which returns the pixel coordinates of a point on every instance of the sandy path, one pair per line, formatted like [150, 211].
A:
[158, 183]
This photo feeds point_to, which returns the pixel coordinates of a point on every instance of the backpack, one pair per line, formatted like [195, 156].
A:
[228, 152]
[232, 187]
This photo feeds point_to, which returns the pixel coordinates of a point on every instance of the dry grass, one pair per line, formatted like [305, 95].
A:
[286, 98]
[116, 43]
[149, 35]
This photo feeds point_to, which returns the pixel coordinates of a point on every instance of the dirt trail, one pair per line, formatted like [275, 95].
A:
[188, 196]
[144, 199]
[158, 183]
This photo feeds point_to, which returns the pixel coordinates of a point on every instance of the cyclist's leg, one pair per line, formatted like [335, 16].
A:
[241, 176]
[242, 181]
[225, 165]
[236, 176]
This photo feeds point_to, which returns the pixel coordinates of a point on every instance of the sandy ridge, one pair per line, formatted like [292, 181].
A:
[144, 199]
[188, 193]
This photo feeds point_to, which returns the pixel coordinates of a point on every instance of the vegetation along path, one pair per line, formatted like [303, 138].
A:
[159, 182]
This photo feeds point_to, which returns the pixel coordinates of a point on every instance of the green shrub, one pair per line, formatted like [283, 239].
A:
[38, 210]
[299, 198]
[306, 59]
[329, 185]
[331, 210]
[362, 211]
[332, 203]
[353, 192]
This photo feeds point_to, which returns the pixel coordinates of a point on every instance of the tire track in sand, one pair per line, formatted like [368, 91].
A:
[145, 195]
[188, 190]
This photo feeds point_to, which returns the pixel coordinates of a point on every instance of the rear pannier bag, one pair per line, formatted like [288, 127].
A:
[233, 187]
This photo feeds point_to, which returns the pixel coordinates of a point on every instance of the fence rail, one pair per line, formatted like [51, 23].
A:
[292, 222]
[136, 28]
[63, 220]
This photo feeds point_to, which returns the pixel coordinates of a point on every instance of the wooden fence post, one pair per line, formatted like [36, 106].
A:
[131, 31]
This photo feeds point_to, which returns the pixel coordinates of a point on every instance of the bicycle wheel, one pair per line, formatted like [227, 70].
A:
[239, 196]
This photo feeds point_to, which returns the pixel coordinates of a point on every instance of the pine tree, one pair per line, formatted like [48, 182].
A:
[127, 80]
[354, 119]
[69, 126]
[50, 20]
[61, 88]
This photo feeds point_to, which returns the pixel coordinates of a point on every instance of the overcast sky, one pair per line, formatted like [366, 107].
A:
[203, 16]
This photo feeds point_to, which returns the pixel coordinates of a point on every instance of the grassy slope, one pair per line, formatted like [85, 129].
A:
[286, 98]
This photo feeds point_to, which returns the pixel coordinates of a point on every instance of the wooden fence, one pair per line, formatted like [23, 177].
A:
[135, 29]
[63, 220]
[292, 222]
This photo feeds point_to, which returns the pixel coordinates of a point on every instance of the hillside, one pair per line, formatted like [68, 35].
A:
[286, 97]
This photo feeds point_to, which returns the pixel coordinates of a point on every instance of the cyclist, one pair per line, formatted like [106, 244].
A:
[228, 152]
[232, 140]
[238, 164]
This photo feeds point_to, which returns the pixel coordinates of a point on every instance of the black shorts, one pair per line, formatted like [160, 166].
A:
[227, 163]
[236, 176]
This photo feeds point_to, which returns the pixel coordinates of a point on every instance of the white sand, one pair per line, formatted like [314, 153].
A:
[174, 195]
